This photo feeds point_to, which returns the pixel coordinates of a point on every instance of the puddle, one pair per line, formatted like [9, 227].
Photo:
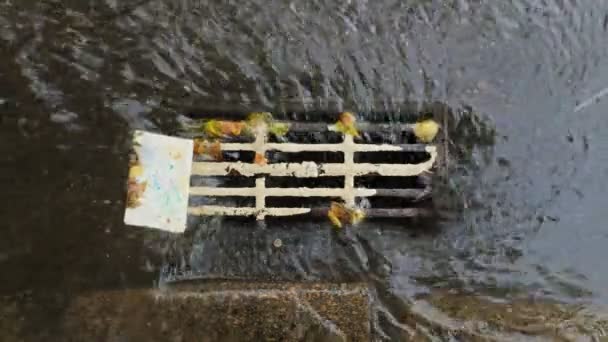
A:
[524, 84]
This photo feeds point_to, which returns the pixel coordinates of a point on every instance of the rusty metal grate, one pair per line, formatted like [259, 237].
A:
[347, 170]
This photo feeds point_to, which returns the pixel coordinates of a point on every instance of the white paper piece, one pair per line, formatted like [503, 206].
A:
[164, 167]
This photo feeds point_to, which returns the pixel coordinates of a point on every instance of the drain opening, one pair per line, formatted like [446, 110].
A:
[311, 166]
[390, 157]
[299, 202]
[294, 182]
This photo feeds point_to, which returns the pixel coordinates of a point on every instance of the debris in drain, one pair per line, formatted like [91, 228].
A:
[426, 130]
[222, 128]
[278, 129]
[325, 175]
[135, 191]
[393, 176]
[135, 187]
[347, 124]
[257, 119]
[259, 159]
[277, 243]
[340, 215]
[135, 171]
[211, 149]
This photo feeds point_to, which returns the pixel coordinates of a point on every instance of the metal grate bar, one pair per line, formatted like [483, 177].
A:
[363, 126]
[293, 148]
[212, 210]
[305, 192]
[348, 171]
[310, 169]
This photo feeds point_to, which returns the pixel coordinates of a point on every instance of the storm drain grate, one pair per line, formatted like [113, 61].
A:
[369, 170]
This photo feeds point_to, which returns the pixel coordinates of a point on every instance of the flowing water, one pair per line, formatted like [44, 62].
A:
[78, 76]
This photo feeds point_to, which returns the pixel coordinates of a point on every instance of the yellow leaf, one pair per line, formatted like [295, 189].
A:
[135, 191]
[334, 220]
[347, 124]
[257, 118]
[278, 129]
[213, 128]
[136, 171]
[348, 118]
[339, 215]
[426, 130]
[356, 216]
[220, 129]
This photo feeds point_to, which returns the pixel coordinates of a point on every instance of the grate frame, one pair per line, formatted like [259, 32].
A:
[348, 169]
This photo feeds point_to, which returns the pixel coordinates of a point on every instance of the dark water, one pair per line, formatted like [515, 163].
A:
[77, 77]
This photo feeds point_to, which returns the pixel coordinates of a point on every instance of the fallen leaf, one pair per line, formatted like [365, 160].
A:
[260, 159]
[347, 124]
[204, 147]
[136, 171]
[356, 216]
[135, 191]
[212, 128]
[199, 146]
[426, 130]
[215, 151]
[278, 129]
[257, 118]
[334, 219]
[339, 215]
[348, 118]
[221, 129]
